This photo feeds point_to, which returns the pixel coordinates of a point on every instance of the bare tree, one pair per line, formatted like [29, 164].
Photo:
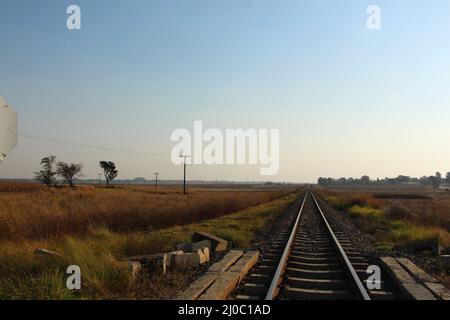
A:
[69, 171]
[109, 171]
[47, 174]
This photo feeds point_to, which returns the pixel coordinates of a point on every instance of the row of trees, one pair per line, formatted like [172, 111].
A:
[434, 181]
[51, 169]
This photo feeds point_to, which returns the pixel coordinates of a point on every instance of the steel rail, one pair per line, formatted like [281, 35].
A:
[359, 286]
[273, 289]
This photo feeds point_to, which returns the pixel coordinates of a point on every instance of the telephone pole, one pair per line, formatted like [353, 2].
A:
[156, 180]
[184, 179]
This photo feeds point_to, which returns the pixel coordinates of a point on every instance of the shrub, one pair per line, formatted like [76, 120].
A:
[357, 211]
[58, 212]
[397, 211]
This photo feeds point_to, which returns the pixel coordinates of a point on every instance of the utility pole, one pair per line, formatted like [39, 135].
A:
[156, 180]
[184, 179]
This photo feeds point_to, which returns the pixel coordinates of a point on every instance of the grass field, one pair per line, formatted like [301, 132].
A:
[396, 215]
[95, 227]
[51, 213]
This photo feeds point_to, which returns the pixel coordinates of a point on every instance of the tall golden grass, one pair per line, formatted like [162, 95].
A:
[51, 213]
[13, 186]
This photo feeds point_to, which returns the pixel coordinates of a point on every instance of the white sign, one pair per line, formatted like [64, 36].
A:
[8, 129]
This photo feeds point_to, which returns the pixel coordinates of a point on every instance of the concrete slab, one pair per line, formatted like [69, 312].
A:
[201, 245]
[245, 264]
[227, 261]
[154, 258]
[198, 287]
[222, 287]
[440, 291]
[148, 258]
[204, 255]
[409, 286]
[415, 271]
[445, 262]
[194, 247]
[217, 244]
[186, 261]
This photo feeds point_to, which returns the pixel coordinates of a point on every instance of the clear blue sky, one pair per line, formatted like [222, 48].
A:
[348, 101]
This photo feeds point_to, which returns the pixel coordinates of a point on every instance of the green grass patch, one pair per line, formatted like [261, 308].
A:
[382, 223]
[402, 232]
[384, 246]
[365, 212]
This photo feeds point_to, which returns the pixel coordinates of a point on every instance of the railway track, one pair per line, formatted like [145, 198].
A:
[311, 262]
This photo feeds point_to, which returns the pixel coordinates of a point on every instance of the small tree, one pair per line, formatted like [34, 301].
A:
[47, 174]
[436, 180]
[425, 181]
[69, 171]
[109, 171]
[365, 180]
[447, 178]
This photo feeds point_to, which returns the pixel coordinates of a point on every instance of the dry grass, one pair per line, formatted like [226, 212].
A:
[397, 218]
[13, 186]
[52, 213]
[23, 276]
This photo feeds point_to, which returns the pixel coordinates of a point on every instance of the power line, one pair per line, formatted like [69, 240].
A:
[90, 146]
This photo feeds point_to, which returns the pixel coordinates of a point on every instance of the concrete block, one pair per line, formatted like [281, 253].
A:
[161, 265]
[207, 253]
[200, 245]
[217, 244]
[194, 247]
[432, 246]
[170, 254]
[227, 261]
[222, 287]
[154, 259]
[204, 255]
[445, 263]
[186, 261]
[134, 268]
[145, 259]
[245, 264]
[409, 286]
[182, 246]
[198, 287]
